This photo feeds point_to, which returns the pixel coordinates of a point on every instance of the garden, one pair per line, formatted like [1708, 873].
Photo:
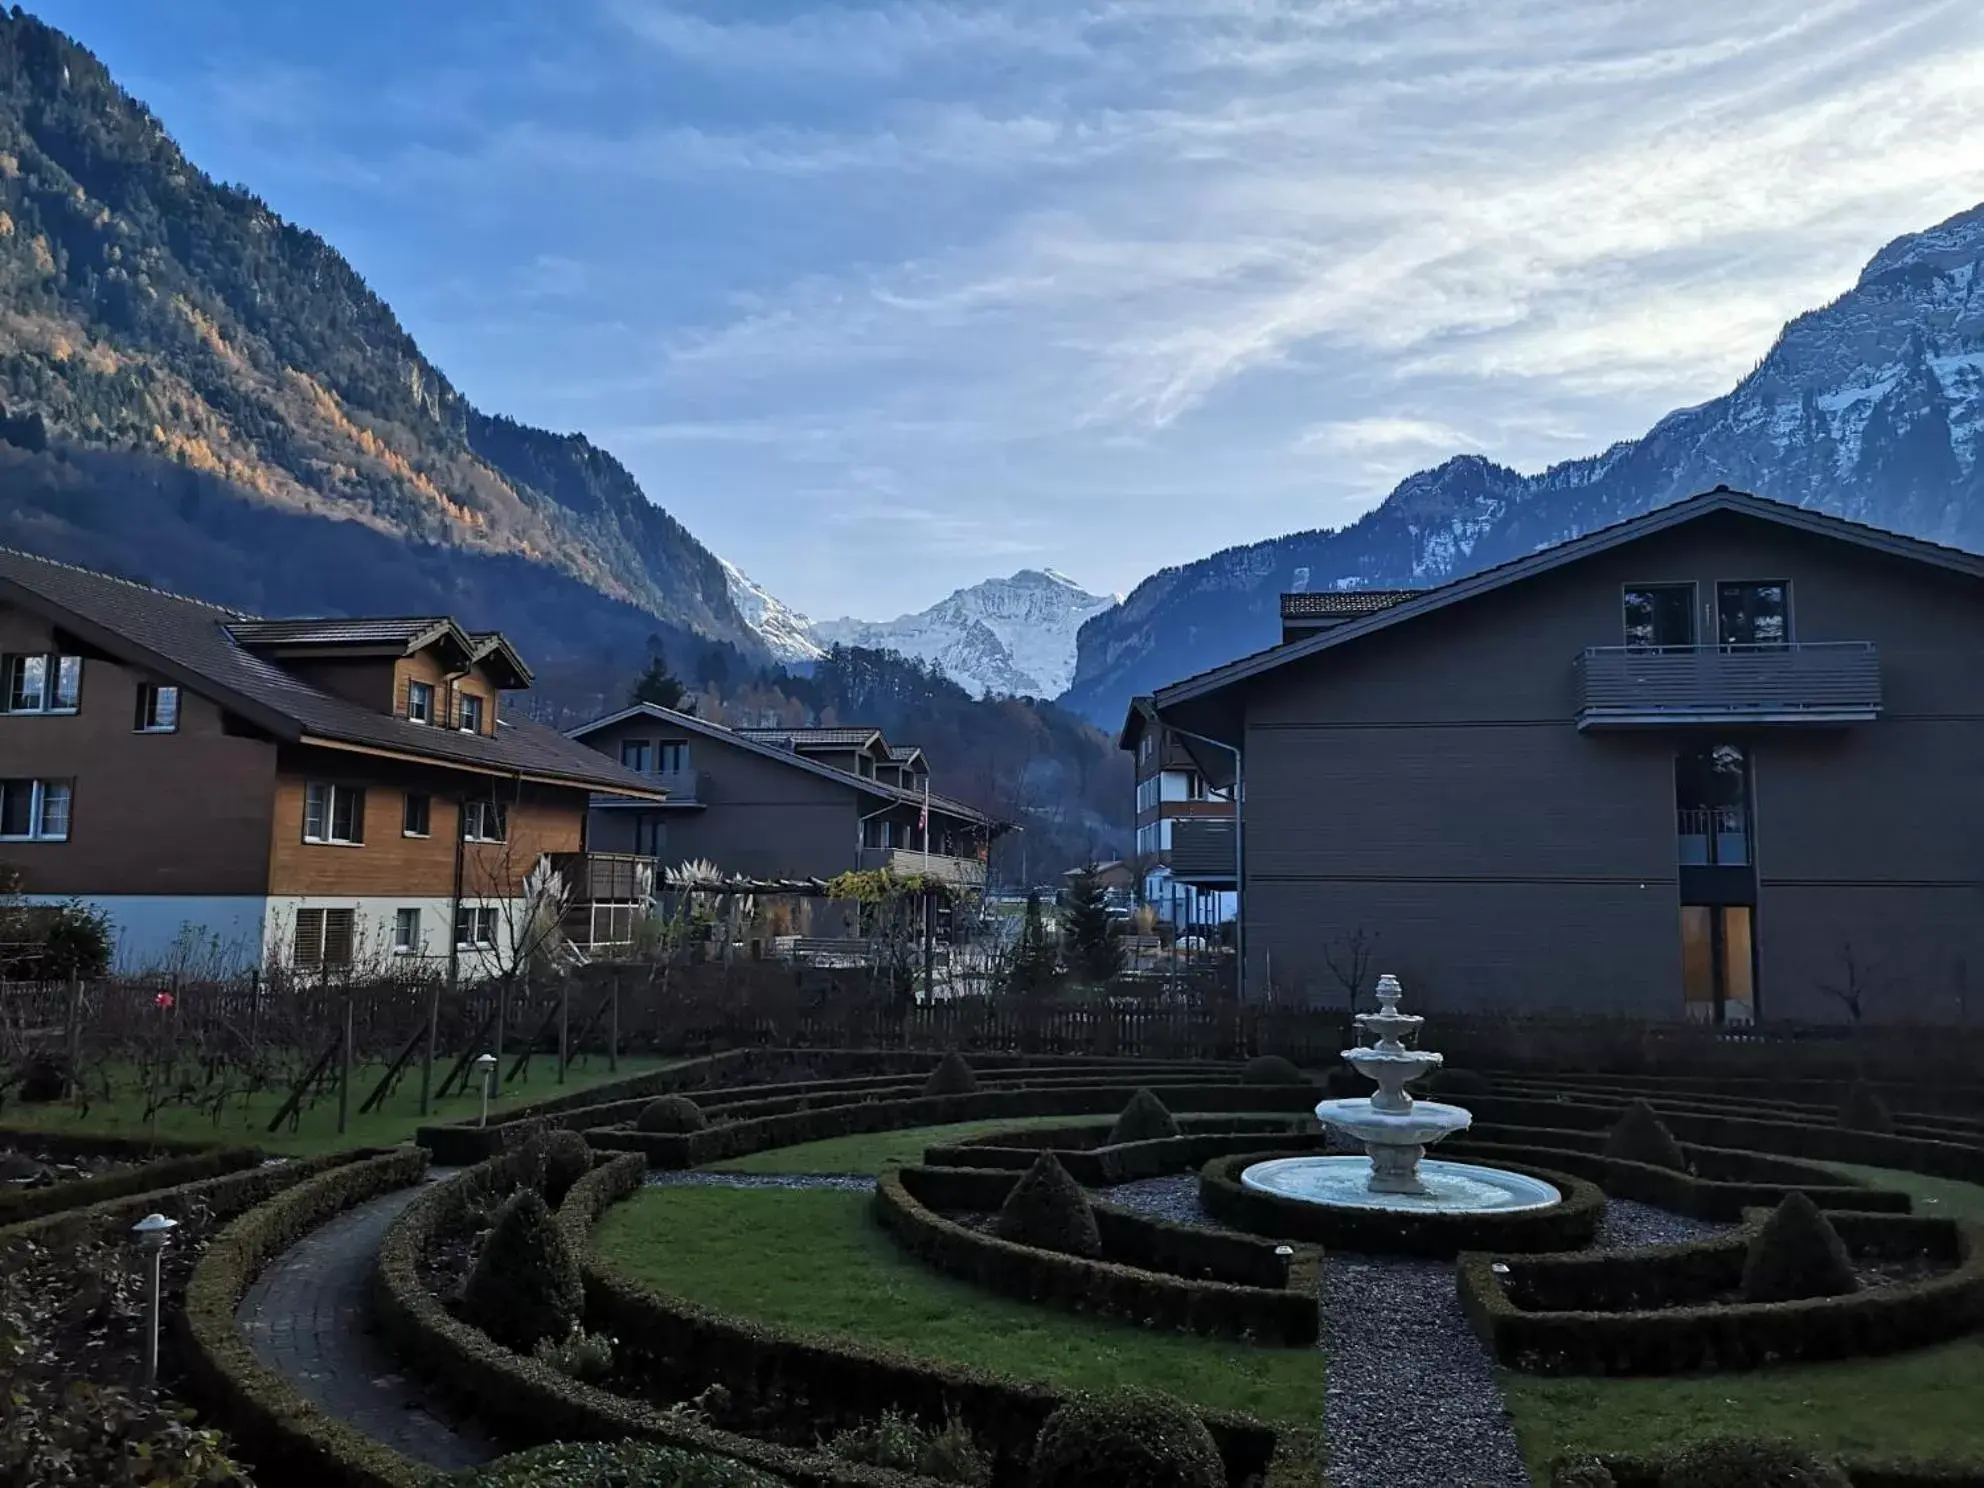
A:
[993, 1265]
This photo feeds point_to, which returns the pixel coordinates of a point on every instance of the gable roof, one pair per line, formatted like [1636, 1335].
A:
[195, 644]
[1561, 555]
[1323, 603]
[902, 754]
[815, 738]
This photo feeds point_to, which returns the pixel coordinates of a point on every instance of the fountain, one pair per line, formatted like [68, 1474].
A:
[1395, 1130]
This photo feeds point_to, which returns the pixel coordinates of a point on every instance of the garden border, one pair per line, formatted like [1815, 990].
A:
[1105, 1164]
[1629, 1471]
[22, 1205]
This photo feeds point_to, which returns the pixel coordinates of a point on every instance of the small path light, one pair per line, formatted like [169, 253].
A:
[152, 1232]
[1286, 1255]
[485, 1068]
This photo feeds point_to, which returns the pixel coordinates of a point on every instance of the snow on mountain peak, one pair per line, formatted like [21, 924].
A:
[786, 632]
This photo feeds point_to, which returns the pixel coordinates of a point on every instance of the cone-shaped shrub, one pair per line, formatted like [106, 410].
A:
[566, 1159]
[671, 1114]
[1144, 1119]
[1797, 1254]
[1581, 1472]
[1271, 1069]
[1117, 1440]
[952, 1076]
[1865, 1111]
[1048, 1209]
[525, 1285]
[1641, 1137]
[1730, 1463]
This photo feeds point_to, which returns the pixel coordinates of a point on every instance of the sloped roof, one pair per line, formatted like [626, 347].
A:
[1327, 603]
[194, 644]
[814, 738]
[407, 631]
[902, 754]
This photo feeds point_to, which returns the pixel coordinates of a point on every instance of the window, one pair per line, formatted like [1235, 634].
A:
[324, 937]
[333, 813]
[671, 757]
[1659, 616]
[420, 702]
[44, 684]
[158, 708]
[1712, 806]
[634, 755]
[414, 819]
[471, 713]
[406, 932]
[1718, 964]
[1753, 613]
[34, 810]
[483, 821]
[475, 925]
[651, 836]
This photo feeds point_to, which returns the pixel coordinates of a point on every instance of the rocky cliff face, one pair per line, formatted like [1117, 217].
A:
[1871, 408]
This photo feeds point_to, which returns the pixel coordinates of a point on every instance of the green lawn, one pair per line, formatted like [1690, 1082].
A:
[814, 1261]
[246, 1121]
[1919, 1404]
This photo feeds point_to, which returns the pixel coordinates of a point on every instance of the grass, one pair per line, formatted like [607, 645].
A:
[1919, 1404]
[820, 1265]
[246, 1120]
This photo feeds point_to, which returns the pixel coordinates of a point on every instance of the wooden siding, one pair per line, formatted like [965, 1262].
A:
[1822, 681]
[424, 666]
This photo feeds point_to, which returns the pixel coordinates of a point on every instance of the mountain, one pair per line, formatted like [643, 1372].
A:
[1011, 637]
[194, 384]
[787, 634]
[1870, 408]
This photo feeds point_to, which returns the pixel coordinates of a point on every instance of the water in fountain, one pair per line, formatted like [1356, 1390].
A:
[1395, 1130]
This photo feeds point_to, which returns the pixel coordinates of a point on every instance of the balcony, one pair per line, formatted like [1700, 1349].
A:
[1811, 683]
[612, 878]
[1202, 851]
[963, 873]
[683, 787]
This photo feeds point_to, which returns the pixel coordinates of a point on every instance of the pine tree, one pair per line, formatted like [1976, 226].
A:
[1094, 949]
[657, 684]
[1034, 961]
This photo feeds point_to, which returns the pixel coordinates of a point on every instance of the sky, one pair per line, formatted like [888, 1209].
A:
[882, 299]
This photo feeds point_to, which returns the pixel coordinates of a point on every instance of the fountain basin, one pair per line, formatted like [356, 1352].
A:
[1425, 1121]
[1447, 1187]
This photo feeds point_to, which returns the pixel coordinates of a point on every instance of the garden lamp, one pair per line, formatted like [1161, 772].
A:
[485, 1069]
[152, 1232]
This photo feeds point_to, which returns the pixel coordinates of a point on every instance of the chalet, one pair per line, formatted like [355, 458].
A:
[1185, 845]
[230, 791]
[1723, 761]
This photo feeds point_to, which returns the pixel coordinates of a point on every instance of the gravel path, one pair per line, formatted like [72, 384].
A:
[691, 1178]
[1628, 1223]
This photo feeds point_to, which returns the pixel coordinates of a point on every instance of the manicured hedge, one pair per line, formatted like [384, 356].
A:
[1104, 1164]
[529, 1403]
[1643, 1472]
[20, 1204]
[1561, 1226]
[1140, 1290]
[289, 1439]
[1580, 1314]
[66, 1143]
[817, 1384]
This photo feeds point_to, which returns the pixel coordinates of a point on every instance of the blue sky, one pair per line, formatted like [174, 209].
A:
[883, 298]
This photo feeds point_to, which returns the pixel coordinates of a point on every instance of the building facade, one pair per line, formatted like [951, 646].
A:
[1184, 843]
[231, 792]
[1722, 762]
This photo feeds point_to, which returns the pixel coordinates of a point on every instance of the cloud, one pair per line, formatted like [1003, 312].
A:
[1381, 432]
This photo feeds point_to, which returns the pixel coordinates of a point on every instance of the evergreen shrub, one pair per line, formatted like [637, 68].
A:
[525, 1285]
[671, 1115]
[1144, 1119]
[1049, 1210]
[1131, 1437]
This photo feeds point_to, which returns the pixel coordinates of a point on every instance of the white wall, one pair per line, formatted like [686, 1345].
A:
[375, 919]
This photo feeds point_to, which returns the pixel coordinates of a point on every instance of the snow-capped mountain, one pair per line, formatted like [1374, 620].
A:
[1006, 636]
[1870, 408]
[786, 632]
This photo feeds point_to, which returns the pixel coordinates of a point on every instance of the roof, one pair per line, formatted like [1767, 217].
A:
[754, 740]
[194, 644]
[902, 754]
[404, 631]
[1590, 544]
[1324, 603]
[1140, 714]
[814, 738]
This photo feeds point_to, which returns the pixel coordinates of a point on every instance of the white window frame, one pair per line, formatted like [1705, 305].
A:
[406, 930]
[320, 917]
[155, 715]
[50, 694]
[475, 818]
[471, 703]
[331, 795]
[419, 702]
[40, 793]
[483, 924]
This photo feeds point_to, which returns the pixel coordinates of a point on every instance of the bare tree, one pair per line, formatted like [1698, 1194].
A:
[1348, 958]
[1857, 986]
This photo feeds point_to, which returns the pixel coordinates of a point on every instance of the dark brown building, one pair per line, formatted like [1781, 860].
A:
[232, 791]
[1723, 761]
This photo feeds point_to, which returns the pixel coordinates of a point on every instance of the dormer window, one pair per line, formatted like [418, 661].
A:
[471, 713]
[420, 702]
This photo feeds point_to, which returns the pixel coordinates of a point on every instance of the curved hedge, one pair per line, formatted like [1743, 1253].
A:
[1644, 1472]
[19, 1205]
[1585, 1314]
[289, 1439]
[1226, 1301]
[1105, 1164]
[1561, 1226]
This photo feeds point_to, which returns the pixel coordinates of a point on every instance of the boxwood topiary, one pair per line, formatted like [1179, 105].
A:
[622, 1464]
[952, 1076]
[1797, 1254]
[1048, 1209]
[671, 1114]
[1144, 1119]
[566, 1159]
[1131, 1437]
[1271, 1069]
[1641, 1137]
[525, 1284]
[1730, 1463]
[1863, 1110]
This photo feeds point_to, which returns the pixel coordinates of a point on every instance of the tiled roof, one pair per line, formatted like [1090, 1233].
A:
[811, 738]
[401, 631]
[902, 754]
[1335, 602]
[192, 642]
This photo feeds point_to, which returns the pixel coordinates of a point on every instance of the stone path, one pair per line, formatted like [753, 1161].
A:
[308, 1318]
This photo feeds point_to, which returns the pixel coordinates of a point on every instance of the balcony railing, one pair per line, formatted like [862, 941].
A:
[683, 787]
[1713, 835]
[904, 862]
[1202, 850]
[1822, 682]
[614, 878]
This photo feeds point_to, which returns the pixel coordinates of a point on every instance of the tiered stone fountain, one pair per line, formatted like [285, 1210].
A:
[1395, 1130]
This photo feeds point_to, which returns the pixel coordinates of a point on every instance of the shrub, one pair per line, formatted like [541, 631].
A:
[1144, 1119]
[952, 1076]
[949, 1455]
[622, 1464]
[580, 1355]
[1111, 1441]
[1641, 1137]
[1048, 1209]
[1731, 1463]
[1797, 1254]
[1271, 1069]
[42, 1081]
[525, 1284]
[1581, 1472]
[671, 1114]
[566, 1159]
[1459, 1082]
[1865, 1111]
